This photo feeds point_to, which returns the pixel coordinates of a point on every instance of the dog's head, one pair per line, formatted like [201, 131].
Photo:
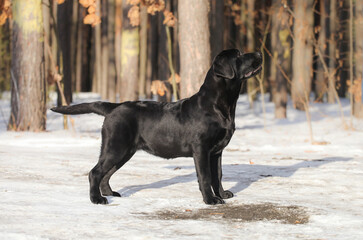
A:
[232, 64]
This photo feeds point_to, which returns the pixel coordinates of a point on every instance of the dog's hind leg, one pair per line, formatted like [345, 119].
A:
[116, 150]
[105, 184]
[95, 176]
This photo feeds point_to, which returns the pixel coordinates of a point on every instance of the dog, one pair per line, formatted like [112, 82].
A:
[200, 127]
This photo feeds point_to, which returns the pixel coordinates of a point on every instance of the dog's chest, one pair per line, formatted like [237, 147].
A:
[223, 137]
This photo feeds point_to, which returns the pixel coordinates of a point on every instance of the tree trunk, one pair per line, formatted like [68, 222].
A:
[358, 76]
[175, 33]
[118, 28]
[216, 20]
[143, 51]
[5, 62]
[64, 20]
[321, 77]
[74, 36]
[97, 63]
[280, 39]
[111, 68]
[28, 109]
[302, 54]
[332, 49]
[343, 47]
[251, 82]
[79, 44]
[162, 64]
[194, 45]
[104, 50]
[129, 58]
[152, 54]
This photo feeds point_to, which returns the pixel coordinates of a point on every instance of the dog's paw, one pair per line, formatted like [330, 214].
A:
[227, 194]
[99, 200]
[214, 200]
[116, 194]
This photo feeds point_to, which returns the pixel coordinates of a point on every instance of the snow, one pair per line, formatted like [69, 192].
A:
[44, 181]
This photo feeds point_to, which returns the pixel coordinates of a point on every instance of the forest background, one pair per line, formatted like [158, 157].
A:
[155, 49]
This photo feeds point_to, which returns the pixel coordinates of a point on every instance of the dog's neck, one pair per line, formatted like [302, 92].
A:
[216, 92]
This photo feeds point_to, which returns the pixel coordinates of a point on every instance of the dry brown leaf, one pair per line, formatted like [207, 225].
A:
[237, 20]
[91, 9]
[92, 19]
[134, 16]
[356, 89]
[53, 77]
[156, 7]
[3, 18]
[5, 11]
[133, 2]
[147, 2]
[158, 88]
[177, 79]
[310, 151]
[87, 3]
[236, 7]
[169, 19]
[321, 143]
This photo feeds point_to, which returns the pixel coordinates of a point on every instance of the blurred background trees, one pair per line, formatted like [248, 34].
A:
[161, 50]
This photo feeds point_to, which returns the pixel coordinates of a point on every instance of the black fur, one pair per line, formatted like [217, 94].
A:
[200, 127]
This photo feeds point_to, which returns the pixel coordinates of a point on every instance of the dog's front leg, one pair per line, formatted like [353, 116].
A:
[216, 170]
[202, 166]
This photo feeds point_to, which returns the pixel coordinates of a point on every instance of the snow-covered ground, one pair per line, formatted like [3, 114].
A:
[285, 187]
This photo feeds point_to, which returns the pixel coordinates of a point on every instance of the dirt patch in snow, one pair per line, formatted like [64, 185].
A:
[244, 212]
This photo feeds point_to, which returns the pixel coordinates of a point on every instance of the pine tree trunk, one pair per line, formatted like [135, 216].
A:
[251, 82]
[118, 29]
[162, 65]
[152, 54]
[48, 66]
[175, 33]
[97, 63]
[78, 75]
[321, 77]
[111, 68]
[104, 50]
[302, 54]
[143, 51]
[129, 58]
[281, 52]
[28, 109]
[216, 19]
[5, 62]
[332, 49]
[358, 76]
[64, 20]
[343, 47]
[194, 44]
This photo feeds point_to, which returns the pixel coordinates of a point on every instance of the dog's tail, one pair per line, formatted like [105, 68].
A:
[101, 108]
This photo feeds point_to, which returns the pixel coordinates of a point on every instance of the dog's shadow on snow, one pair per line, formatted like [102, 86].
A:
[243, 175]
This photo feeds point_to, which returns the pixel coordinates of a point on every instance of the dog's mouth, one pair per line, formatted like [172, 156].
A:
[253, 72]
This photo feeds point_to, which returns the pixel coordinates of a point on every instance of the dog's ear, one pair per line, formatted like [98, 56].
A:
[223, 68]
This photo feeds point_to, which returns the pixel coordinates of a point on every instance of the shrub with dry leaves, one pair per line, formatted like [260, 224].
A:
[153, 6]
[5, 11]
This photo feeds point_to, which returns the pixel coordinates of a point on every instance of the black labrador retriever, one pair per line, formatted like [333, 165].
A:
[200, 127]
